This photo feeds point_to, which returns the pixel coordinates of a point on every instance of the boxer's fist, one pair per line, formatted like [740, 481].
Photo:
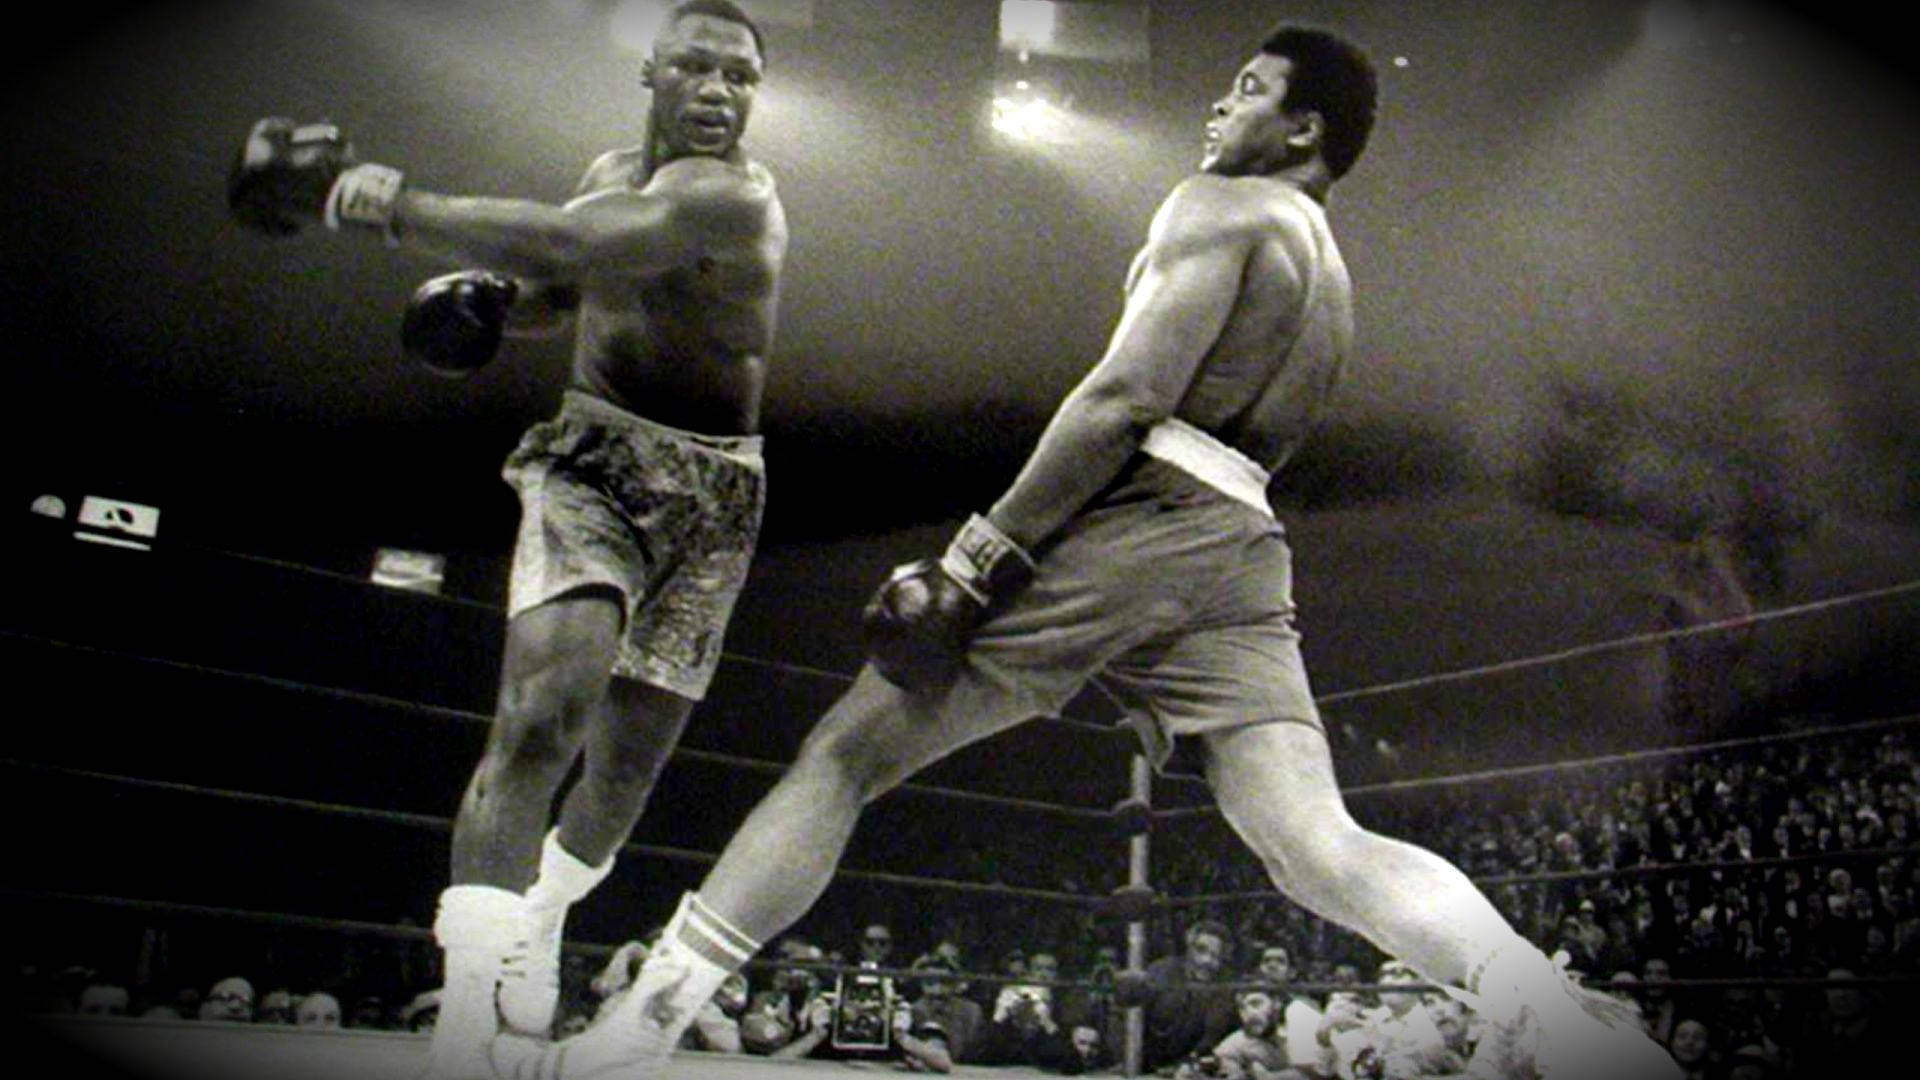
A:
[290, 175]
[454, 323]
[919, 621]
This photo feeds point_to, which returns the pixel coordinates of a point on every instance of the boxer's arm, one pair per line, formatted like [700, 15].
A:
[691, 209]
[1187, 284]
[546, 308]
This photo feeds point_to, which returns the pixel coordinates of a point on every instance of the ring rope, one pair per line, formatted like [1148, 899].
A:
[419, 933]
[1637, 870]
[448, 712]
[1623, 758]
[428, 821]
[1634, 641]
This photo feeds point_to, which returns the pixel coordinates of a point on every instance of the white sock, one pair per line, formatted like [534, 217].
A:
[697, 952]
[563, 879]
[476, 926]
[1510, 977]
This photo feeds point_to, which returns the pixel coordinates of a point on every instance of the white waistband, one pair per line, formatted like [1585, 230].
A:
[1210, 461]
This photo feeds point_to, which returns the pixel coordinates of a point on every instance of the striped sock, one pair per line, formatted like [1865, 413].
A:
[699, 929]
[697, 952]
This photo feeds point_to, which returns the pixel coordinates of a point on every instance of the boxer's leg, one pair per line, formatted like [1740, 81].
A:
[1275, 785]
[554, 673]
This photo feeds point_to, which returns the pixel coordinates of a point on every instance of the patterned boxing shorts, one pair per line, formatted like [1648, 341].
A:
[668, 518]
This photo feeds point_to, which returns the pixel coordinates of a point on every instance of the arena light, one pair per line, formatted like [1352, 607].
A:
[1028, 24]
[1028, 117]
[1114, 30]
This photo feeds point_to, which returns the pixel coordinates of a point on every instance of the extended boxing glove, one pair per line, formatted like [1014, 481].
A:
[289, 175]
[454, 322]
[919, 622]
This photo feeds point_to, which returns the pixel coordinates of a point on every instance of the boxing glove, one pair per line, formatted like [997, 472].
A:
[454, 323]
[290, 175]
[919, 622]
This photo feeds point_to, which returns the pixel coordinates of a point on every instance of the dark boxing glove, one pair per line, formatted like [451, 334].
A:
[919, 621]
[290, 175]
[454, 322]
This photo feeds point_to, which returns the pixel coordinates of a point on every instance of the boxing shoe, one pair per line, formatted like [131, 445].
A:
[1588, 1035]
[529, 987]
[1506, 1051]
[631, 1041]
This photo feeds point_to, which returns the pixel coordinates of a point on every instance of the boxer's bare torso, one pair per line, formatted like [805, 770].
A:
[686, 345]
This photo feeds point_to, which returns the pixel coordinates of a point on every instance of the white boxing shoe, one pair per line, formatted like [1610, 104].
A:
[528, 993]
[1588, 1035]
[632, 1041]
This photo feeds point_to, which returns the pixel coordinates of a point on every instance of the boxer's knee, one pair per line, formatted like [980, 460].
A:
[871, 740]
[559, 662]
[542, 718]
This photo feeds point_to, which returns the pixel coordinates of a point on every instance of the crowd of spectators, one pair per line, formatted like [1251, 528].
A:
[1790, 859]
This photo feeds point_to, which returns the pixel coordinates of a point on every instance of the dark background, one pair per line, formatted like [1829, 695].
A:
[1638, 315]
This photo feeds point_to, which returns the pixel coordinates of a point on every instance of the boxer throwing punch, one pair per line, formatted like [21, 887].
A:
[1137, 546]
[641, 500]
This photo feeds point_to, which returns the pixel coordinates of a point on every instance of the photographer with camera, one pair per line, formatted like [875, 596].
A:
[861, 1019]
[1023, 1027]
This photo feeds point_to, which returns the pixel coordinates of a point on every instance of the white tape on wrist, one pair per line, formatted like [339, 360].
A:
[365, 195]
[974, 553]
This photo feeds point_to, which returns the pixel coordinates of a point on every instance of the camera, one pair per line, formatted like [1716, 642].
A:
[863, 1013]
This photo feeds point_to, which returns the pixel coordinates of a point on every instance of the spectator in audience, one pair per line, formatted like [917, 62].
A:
[1257, 1050]
[318, 1010]
[1692, 1049]
[230, 1000]
[1753, 1063]
[369, 1013]
[773, 1016]
[276, 1007]
[104, 999]
[911, 1039]
[1299, 1018]
[1847, 1038]
[876, 946]
[422, 1012]
[1093, 1004]
[940, 1001]
[1184, 1012]
[1087, 1052]
[1399, 1034]
[1345, 977]
[1022, 1029]
[1657, 1007]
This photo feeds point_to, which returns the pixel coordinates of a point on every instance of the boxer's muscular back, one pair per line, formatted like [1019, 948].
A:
[686, 347]
[1271, 371]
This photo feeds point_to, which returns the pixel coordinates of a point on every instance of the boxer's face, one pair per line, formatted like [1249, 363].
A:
[703, 74]
[1250, 128]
